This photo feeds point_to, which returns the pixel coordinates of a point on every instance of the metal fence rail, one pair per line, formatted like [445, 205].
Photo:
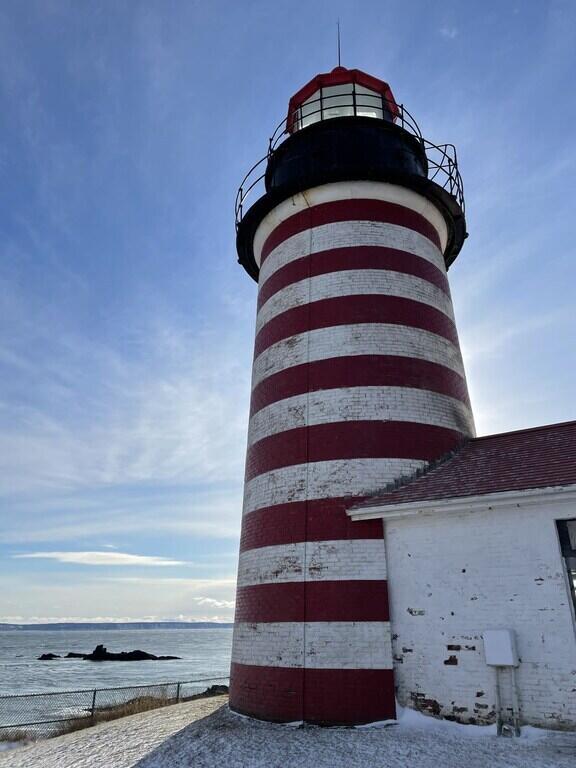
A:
[43, 714]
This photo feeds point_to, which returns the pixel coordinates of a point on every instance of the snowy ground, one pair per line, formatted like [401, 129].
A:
[118, 744]
[175, 737]
[225, 739]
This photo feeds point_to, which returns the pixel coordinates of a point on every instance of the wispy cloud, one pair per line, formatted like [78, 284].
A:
[100, 558]
[171, 416]
[449, 32]
[143, 434]
[213, 603]
[117, 597]
[185, 510]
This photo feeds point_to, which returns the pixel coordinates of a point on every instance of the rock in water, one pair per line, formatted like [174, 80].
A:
[100, 653]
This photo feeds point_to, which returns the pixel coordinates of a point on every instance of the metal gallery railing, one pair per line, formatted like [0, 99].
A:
[32, 715]
[442, 158]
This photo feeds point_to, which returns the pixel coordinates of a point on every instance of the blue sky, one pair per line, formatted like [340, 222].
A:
[126, 325]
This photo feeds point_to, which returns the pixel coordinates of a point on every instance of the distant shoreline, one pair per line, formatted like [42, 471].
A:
[111, 626]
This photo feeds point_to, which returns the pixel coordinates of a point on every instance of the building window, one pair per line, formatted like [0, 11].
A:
[567, 536]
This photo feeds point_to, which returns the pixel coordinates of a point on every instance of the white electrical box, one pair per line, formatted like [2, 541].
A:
[500, 647]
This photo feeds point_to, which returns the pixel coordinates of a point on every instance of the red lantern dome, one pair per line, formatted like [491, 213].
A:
[341, 93]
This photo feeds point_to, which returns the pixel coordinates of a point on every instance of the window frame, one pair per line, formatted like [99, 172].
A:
[568, 551]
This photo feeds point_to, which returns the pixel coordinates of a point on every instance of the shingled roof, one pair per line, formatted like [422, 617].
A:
[541, 457]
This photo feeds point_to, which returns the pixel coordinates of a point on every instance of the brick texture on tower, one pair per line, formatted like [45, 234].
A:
[357, 382]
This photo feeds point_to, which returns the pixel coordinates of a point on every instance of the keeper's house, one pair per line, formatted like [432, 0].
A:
[486, 540]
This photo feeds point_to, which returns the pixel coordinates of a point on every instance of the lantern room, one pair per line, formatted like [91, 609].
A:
[341, 93]
[346, 125]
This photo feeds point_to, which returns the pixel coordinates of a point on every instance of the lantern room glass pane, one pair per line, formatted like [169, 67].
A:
[368, 103]
[338, 101]
[310, 110]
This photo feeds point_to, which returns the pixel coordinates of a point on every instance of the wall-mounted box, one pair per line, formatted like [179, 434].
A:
[500, 647]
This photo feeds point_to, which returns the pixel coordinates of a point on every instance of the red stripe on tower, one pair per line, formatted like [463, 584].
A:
[355, 600]
[353, 310]
[277, 693]
[349, 440]
[314, 520]
[348, 210]
[342, 259]
[358, 371]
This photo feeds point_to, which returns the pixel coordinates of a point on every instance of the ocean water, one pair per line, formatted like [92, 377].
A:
[203, 652]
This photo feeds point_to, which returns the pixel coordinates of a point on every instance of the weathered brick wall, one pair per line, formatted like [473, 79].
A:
[357, 381]
[453, 576]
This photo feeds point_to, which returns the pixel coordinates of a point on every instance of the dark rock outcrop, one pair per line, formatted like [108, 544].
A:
[216, 690]
[100, 653]
[213, 690]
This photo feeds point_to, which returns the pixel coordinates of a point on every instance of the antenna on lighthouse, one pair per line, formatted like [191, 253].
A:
[338, 24]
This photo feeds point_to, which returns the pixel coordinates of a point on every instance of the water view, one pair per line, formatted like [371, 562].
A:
[202, 652]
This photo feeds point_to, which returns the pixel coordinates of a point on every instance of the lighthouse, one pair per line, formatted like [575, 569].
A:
[358, 385]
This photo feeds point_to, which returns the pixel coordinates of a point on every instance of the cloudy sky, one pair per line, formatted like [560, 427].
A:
[126, 324]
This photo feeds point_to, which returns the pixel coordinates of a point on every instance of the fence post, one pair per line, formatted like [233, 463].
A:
[93, 707]
[178, 692]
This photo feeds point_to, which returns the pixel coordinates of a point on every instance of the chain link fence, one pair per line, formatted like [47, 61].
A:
[36, 715]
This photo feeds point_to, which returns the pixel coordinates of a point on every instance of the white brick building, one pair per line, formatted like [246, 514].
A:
[485, 539]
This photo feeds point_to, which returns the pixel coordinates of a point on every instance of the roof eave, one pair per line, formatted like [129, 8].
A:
[528, 497]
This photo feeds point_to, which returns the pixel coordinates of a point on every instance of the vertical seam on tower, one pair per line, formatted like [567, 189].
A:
[307, 455]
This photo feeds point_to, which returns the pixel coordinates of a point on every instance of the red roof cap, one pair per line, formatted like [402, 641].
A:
[340, 76]
[540, 457]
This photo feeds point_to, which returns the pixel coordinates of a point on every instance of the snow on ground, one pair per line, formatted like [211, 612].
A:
[117, 744]
[224, 739]
[176, 737]
[6, 745]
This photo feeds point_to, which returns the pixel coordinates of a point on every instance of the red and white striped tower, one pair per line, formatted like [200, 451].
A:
[358, 382]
